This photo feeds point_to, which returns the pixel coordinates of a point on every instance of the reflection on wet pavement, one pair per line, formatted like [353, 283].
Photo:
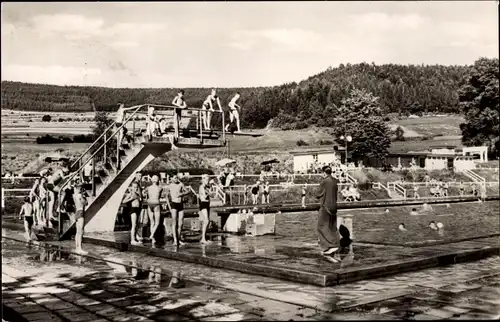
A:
[62, 286]
[281, 254]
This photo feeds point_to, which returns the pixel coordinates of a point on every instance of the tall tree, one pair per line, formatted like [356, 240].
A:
[361, 117]
[480, 105]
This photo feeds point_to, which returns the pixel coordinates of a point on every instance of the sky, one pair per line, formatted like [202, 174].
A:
[234, 44]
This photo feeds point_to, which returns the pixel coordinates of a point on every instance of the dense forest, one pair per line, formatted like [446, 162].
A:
[404, 89]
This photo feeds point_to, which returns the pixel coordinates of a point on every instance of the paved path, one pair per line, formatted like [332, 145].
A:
[44, 284]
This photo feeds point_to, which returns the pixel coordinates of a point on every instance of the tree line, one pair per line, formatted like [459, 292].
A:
[404, 89]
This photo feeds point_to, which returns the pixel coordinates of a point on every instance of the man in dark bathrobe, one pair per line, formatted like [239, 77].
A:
[327, 217]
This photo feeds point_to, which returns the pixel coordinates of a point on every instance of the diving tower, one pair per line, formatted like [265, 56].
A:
[114, 165]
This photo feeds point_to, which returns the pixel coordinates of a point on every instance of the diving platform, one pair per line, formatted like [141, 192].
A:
[114, 164]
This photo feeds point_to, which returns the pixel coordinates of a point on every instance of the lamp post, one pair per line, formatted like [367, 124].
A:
[346, 139]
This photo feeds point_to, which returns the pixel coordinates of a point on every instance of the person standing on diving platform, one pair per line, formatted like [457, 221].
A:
[234, 113]
[180, 104]
[208, 108]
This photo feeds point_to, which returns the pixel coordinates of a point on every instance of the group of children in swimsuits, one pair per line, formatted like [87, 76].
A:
[38, 208]
[255, 190]
[145, 203]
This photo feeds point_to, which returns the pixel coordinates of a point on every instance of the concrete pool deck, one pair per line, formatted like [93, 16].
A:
[296, 261]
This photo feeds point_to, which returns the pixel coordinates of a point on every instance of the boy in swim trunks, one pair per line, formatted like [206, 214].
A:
[255, 192]
[462, 188]
[233, 113]
[265, 193]
[27, 211]
[181, 104]
[54, 183]
[204, 200]
[35, 201]
[134, 197]
[154, 192]
[80, 204]
[120, 118]
[304, 195]
[177, 191]
[208, 104]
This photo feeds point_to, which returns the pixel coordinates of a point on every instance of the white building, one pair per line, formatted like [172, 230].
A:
[457, 159]
[481, 151]
[464, 162]
[302, 160]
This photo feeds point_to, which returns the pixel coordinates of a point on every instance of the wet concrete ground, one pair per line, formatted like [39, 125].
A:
[298, 259]
[44, 284]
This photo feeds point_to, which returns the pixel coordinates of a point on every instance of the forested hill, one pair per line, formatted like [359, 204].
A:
[401, 88]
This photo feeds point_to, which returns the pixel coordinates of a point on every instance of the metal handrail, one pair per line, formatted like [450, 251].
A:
[90, 147]
[69, 178]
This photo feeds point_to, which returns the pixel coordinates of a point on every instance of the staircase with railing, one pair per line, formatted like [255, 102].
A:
[351, 179]
[474, 176]
[220, 195]
[380, 185]
[397, 191]
[114, 164]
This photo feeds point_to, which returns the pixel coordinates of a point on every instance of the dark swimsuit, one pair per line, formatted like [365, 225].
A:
[205, 204]
[179, 206]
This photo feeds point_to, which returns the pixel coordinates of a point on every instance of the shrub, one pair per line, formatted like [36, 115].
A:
[46, 118]
[82, 138]
[302, 143]
[30, 120]
[48, 139]
[301, 125]
[60, 119]
[325, 142]
[399, 134]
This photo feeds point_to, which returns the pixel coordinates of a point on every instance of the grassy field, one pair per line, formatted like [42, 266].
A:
[406, 146]
[19, 145]
[27, 156]
[434, 125]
